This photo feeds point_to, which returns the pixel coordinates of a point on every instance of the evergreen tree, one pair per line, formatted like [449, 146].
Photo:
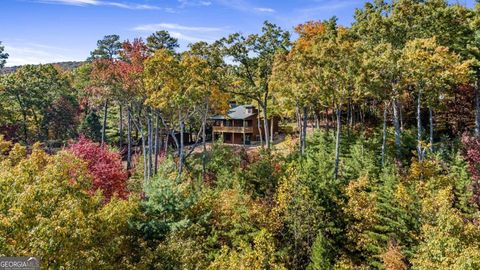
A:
[91, 127]
[320, 258]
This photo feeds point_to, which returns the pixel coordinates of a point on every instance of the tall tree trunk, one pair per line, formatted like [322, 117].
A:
[419, 125]
[396, 124]
[266, 126]
[150, 143]
[129, 139]
[400, 109]
[204, 141]
[430, 117]
[384, 137]
[139, 128]
[157, 142]
[120, 127]
[337, 140]
[181, 151]
[104, 125]
[259, 125]
[271, 130]
[299, 126]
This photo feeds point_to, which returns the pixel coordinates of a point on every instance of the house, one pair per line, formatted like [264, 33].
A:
[240, 125]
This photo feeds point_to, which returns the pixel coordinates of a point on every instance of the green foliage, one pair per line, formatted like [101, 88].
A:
[91, 127]
[165, 204]
[46, 210]
[320, 258]
[3, 56]
[262, 175]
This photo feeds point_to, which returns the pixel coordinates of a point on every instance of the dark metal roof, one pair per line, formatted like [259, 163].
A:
[237, 113]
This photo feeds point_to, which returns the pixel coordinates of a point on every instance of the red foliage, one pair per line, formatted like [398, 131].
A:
[105, 167]
[472, 155]
[130, 69]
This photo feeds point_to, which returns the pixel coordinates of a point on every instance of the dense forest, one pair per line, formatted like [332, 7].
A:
[378, 168]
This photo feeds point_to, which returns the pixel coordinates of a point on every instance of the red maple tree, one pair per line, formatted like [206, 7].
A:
[105, 167]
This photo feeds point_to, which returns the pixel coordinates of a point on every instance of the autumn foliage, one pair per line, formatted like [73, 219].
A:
[105, 167]
[472, 155]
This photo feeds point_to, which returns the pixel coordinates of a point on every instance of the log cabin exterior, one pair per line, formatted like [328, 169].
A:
[240, 125]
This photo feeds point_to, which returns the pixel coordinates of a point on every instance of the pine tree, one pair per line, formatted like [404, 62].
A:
[91, 127]
[320, 258]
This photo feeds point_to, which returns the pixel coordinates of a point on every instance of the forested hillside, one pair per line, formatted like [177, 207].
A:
[64, 65]
[377, 165]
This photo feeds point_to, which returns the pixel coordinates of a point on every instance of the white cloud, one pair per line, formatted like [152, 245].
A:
[330, 6]
[266, 10]
[104, 3]
[173, 26]
[184, 32]
[31, 53]
[187, 3]
[181, 36]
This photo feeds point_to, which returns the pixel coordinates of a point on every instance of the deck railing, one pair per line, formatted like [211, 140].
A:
[220, 129]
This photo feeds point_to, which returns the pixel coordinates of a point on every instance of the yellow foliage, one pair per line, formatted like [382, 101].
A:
[393, 259]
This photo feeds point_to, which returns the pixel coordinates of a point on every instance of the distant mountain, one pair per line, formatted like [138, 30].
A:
[64, 65]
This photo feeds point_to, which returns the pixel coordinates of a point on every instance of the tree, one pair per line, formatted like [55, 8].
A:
[255, 56]
[431, 70]
[450, 242]
[296, 77]
[132, 94]
[105, 167]
[103, 72]
[320, 259]
[46, 198]
[107, 48]
[33, 91]
[91, 127]
[210, 73]
[3, 56]
[161, 40]
[177, 87]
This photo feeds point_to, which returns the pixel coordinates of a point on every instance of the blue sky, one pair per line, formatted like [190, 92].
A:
[43, 31]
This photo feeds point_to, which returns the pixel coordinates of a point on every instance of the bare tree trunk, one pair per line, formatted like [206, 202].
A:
[400, 109]
[419, 126]
[139, 128]
[266, 126]
[259, 125]
[149, 139]
[396, 124]
[120, 127]
[181, 151]
[104, 125]
[337, 140]
[271, 130]
[204, 141]
[157, 143]
[299, 126]
[384, 137]
[129, 139]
